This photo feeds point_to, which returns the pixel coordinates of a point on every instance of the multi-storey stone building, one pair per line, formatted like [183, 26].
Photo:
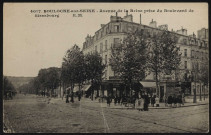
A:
[194, 50]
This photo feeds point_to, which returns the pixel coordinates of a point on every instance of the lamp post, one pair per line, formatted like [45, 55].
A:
[195, 77]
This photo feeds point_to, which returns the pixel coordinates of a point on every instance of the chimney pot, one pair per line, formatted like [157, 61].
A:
[140, 18]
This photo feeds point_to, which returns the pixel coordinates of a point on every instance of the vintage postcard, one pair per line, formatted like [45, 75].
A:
[105, 68]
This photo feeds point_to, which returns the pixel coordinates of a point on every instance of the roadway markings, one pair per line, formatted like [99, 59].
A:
[105, 122]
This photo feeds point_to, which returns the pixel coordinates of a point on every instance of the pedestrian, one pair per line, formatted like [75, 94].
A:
[119, 99]
[153, 100]
[169, 101]
[79, 96]
[134, 101]
[183, 98]
[179, 100]
[174, 100]
[145, 96]
[165, 100]
[142, 102]
[72, 97]
[10, 95]
[67, 98]
[108, 101]
[147, 102]
[115, 100]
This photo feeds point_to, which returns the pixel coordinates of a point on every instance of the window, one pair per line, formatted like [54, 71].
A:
[185, 52]
[115, 73]
[185, 41]
[197, 54]
[116, 27]
[116, 40]
[101, 47]
[205, 45]
[185, 76]
[106, 45]
[97, 36]
[185, 64]
[106, 74]
[96, 48]
[106, 59]
[101, 33]
[192, 53]
[197, 88]
[201, 44]
[202, 57]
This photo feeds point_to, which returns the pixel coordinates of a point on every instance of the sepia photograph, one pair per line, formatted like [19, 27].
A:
[105, 67]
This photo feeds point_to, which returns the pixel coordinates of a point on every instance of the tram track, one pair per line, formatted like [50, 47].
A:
[160, 122]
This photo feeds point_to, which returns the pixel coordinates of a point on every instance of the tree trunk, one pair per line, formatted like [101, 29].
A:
[157, 87]
[200, 91]
[194, 91]
[92, 90]
[204, 91]
[97, 91]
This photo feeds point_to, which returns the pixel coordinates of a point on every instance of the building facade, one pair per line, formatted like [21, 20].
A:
[194, 52]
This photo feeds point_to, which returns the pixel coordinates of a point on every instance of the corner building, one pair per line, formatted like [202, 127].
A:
[194, 50]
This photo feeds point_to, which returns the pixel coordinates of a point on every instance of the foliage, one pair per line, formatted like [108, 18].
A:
[32, 87]
[129, 59]
[205, 75]
[204, 72]
[73, 67]
[164, 54]
[7, 85]
[48, 78]
[94, 67]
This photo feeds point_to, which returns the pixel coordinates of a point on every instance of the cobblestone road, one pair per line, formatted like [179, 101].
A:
[31, 113]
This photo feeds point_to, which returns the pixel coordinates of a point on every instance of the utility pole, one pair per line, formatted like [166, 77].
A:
[195, 77]
[200, 90]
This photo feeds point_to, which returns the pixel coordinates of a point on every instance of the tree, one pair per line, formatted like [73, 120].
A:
[129, 59]
[36, 85]
[49, 78]
[204, 75]
[94, 69]
[165, 57]
[7, 85]
[73, 70]
[195, 75]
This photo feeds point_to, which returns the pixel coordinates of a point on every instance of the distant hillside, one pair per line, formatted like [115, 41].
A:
[18, 81]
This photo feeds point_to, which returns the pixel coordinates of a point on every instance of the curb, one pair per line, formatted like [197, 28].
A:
[158, 107]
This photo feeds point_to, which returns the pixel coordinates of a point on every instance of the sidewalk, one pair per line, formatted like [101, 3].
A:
[161, 105]
[119, 106]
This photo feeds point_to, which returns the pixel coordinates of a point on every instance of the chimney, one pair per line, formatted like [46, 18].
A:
[153, 24]
[194, 35]
[182, 31]
[126, 12]
[140, 18]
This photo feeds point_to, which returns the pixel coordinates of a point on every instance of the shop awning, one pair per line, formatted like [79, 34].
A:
[86, 87]
[148, 84]
[76, 88]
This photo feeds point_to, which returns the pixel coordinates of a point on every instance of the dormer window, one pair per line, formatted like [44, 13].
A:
[116, 28]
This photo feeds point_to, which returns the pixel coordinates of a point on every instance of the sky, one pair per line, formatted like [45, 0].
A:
[31, 43]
